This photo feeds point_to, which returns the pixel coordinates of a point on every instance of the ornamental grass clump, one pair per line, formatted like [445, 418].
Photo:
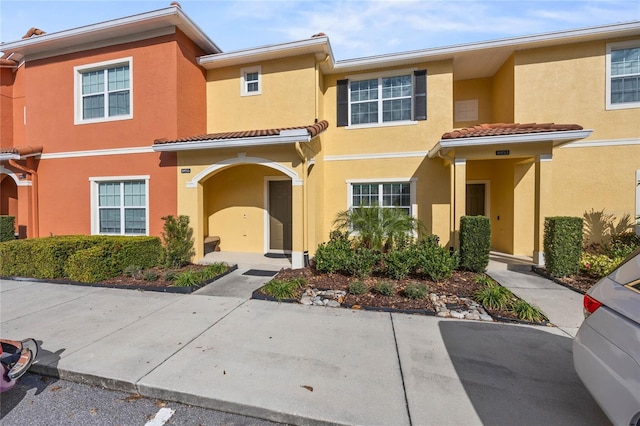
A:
[358, 287]
[495, 297]
[527, 312]
[284, 289]
[385, 288]
[416, 291]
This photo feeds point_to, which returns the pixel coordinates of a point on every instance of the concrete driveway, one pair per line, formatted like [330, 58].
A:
[300, 364]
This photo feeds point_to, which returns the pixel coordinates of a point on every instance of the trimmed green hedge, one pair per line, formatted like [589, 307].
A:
[475, 242]
[562, 245]
[7, 228]
[56, 257]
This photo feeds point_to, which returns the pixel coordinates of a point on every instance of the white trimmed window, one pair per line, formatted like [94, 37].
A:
[120, 205]
[251, 81]
[103, 91]
[388, 193]
[387, 99]
[623, 75]
[380, 100]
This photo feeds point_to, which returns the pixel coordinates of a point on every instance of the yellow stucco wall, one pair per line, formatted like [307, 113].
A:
[503, 93]
[414, 140]
[567, 84]
[480, 89]
[288, 96]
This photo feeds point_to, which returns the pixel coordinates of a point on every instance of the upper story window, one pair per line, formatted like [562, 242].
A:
[385, 99]
[623, 75]
[251, 81]
[103, 91]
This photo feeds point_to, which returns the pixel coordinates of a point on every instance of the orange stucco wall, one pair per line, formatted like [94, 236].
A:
[169, 101]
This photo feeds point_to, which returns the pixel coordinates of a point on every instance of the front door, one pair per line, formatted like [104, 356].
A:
[475, 199]
[280, 215]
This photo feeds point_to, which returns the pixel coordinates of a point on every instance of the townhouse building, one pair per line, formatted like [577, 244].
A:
[107, 128]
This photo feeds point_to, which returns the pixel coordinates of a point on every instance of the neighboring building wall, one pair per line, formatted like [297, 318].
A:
[74, 153]
[567, 84]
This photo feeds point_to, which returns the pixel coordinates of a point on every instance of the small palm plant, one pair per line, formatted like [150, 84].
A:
[378, 228]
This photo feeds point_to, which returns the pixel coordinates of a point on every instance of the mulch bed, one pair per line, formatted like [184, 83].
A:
[580, 283]
[127, 281]
[461, 283]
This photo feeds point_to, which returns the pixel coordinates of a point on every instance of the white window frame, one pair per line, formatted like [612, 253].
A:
[618, 46]
[79, 70]
[412, 189]
[244, 83]
[95, 215]
[379, 77]
[637, 217]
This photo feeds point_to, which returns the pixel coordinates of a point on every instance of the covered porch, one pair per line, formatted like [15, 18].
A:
[505, 172]
[249, 189]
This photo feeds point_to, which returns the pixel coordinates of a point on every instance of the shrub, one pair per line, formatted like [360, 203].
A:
[385, 288]
[494, 297]
[358, 287]
[416, 291]
[562, 245]
[527, 312]
[362, 262]
[7, 228]
[334, 255]
[485, 279]
[133, 271]
[400, 264]
[475, 243]
[598, 265]
[46, 257]
[150, 275]
[88, 265]
[434, 261]
[178, 241]
[283, 289]
[622, 245]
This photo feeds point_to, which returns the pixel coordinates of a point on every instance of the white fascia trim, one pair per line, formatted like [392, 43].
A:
[97, 153]
[381, 156]
[152, 20]
[232, 143]
[515, 139]
[11, 156]
[264, 53]
[603, 142]
[517, 43]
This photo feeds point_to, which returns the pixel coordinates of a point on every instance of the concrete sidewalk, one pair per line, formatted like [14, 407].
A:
[562, 306]
[299, 364]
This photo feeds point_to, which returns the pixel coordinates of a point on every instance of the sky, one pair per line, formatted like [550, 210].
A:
[356, 28]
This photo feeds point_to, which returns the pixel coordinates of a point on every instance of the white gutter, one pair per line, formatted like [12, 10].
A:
[9, 156]
[111, 29]
[285, 137]
[273, 51]
[566, 135]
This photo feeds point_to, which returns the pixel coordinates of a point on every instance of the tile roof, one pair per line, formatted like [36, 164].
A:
[33, 31]
[500, 129]
[313, 130]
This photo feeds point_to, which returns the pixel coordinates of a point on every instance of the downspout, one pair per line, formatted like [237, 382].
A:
[305, 220]
[35, 225]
